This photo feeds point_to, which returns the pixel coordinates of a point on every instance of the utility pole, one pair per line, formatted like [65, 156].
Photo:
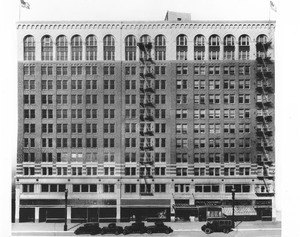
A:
[66, 203]
[233, 198]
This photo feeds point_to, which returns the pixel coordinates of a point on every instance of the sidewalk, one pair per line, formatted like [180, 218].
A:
[176, 226]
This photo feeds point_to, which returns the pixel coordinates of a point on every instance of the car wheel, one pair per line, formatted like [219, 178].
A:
[225, 230]
[117, 232]
[167, 231]
[149, 232]
[207, 231]
[102, 232]
[125, 232]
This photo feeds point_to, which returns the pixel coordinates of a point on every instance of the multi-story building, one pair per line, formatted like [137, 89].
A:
[145, 119]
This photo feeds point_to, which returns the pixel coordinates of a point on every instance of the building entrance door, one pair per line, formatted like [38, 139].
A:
[92, 214]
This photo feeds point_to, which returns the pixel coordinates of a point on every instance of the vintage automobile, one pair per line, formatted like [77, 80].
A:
[137, 227]
[217, 225]
[88, 228]
[112, 228]
[159, 227]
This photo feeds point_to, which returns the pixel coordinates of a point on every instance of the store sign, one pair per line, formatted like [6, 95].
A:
[146, 202]
[208, 202]
[237, 202]
[267, 202]
[71, 202]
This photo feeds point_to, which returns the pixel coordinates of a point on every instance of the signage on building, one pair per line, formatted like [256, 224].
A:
[57, 202]
[263, 203]
[208, 202]
[237, 202]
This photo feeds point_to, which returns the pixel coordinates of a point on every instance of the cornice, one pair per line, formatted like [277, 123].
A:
[74, 25]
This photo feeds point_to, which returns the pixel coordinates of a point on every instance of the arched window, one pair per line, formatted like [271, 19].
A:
[91, 47]
[109, 48]
[145, 40]
[229, 47]
[244, 47]
[262, 39]
[29, 48]
[199, 47]
[181, 47]
[47, 48]
[61, 48]
[130, 48]
[262, 46]
[214, 47]
[76, 48]
[160, 47]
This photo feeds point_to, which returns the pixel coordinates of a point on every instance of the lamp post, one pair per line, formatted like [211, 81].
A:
[66, 203]
[233, 198]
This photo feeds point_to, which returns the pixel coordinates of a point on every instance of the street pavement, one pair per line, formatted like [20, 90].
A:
[190, 229]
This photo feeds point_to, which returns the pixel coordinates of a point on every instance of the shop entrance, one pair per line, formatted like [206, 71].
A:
[264, 214]
[26, 215]
[145, 214]
[80, 215]
[55, 215]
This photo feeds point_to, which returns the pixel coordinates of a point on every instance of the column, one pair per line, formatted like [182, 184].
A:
[36, 214]
[38, 51]
[83, 51]
[252, 53]
[190, 52]
[118, 188]
[69, 51]
[192, 191]
[119, 47]
[100, 50]
[171, 50]
[236, 50]
[17, 203]
[172, 211]
[54, 50]
[221, 50]
[206, 54]
[69, 209]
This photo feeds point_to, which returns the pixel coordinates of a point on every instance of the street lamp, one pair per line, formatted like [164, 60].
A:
[66, 203]
[233, 198]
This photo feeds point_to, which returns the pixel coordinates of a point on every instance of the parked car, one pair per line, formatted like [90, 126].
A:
[137, 227]
[159, 227]
[112, 228]
[217, 225]
[88, 228]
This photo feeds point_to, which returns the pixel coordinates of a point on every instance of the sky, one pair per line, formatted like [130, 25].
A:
[287, 107]
[118, 10]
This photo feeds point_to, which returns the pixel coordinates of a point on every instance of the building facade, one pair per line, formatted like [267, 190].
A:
[145, 120]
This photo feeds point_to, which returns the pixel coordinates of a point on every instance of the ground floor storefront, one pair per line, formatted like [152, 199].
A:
[244, 210]
[145, 209]
[141, 210]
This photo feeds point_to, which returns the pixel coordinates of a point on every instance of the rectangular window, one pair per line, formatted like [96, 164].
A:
[130, 188]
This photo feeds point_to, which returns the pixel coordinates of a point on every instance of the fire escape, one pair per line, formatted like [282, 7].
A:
[264, 103]
[147, 106]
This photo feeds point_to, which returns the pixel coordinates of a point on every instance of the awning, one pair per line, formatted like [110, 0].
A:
[239, 211]
[184, 207]
[145, 203]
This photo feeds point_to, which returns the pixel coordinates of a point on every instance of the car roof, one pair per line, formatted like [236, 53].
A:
[92, 223]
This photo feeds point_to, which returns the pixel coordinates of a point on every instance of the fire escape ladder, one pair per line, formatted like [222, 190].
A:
[147, 105]
[264, 88]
